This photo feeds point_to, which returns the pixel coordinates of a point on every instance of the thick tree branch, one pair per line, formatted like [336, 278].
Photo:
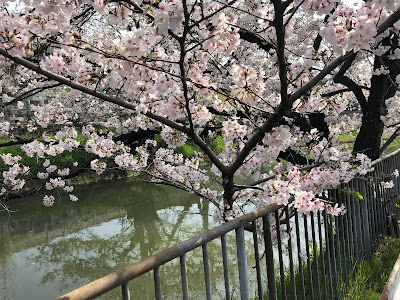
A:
[389, 141]
[316, 79]
[389, 22]
[31, 93]
[17, 141]
[340, 77]
[118, 101]
[280, 52]
[253, 38]
[337, 92]
[393, 18]
[254, 140]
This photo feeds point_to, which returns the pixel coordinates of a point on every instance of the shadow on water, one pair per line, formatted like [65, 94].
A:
[45, 252]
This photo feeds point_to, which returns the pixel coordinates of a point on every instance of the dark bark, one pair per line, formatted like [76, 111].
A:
[317, 120]
[294, 157]
[136, 136]
[253, 38]
[369, 138]
[229, 190]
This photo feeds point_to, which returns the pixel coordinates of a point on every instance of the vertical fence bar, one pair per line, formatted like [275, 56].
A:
[396, 180]
[349, 222]
[386, 194]
[280, 255]
[356, 230]
[376, 200]
[371, 211]
[225, 267]
[257, 258]
[347, 237]
[366, 219]
[353, 223]
[125, 291]
[185, 291]
[332, 254]
[242, 264]
[338, 236]
[376, 208]
[387, 171]
[338, 247]
[269, 257]
[315, 260]
[396, 183]
[309, 270]
[291, 267]
[357, 214]
[335, 245]
[397, 210]
[206, 272]
[396, 186]
[361, 217]
[301, 274]
[375, 188]
[343, 241]
[328, 253]
[157, 283]
[382, 198]
[321, 242]
[378, 197]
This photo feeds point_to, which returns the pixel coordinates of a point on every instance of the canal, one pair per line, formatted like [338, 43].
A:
[48, 251]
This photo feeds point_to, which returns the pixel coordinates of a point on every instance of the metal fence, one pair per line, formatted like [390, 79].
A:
[314, 261]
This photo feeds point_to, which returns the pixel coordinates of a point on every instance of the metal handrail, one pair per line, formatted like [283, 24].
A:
[380, 159]
[132, 271]
[122, 276]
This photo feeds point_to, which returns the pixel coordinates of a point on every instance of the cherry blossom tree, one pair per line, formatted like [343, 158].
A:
[276, 81]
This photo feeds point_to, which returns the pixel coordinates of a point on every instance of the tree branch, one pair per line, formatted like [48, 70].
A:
[117, 101]
[389, 141]
[393, 18]
[253, 38]
[349, 83]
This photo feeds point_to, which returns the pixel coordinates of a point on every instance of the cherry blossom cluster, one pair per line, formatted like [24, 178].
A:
[355, 29]
[172, 137]
[212, 69]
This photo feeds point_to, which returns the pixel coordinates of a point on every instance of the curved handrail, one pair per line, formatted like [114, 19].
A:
[127, 273]
[120, 277]
[385, 157]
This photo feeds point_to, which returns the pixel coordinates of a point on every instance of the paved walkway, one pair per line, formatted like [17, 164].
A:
[392, 288]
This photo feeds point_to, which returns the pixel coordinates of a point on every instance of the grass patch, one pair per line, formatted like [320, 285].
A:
[367, 281]
[371, 276]
[350, 137]
[392, 147]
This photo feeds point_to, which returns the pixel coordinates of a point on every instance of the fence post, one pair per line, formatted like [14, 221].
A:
[185, 290]
[269, 257]
[225, 267]
[157, 284]
[365, 215]
[125, 291]
[242, 265]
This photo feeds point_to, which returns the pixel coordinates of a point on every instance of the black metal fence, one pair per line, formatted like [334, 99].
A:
[314, 260]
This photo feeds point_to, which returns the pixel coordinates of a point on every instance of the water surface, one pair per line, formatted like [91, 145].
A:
[46, 252]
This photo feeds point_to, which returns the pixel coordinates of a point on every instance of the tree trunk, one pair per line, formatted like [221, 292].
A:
[228, 186]
[369, 137]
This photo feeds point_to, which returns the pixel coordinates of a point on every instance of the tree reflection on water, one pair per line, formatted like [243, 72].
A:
[50, 251]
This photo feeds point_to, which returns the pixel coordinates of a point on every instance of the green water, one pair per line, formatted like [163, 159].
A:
[48, 251]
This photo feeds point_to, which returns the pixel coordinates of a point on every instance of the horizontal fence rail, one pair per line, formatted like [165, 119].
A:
[302, 257]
